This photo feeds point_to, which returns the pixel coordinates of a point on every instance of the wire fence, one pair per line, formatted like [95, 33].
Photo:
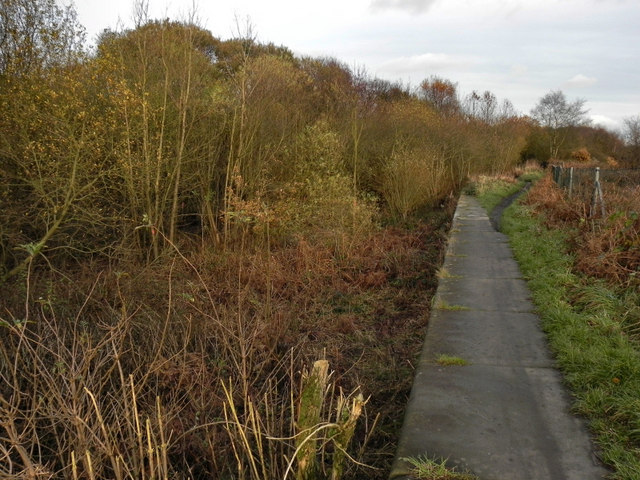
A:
[587, 183]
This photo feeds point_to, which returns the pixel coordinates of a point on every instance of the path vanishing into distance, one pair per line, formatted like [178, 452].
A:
[505, 414]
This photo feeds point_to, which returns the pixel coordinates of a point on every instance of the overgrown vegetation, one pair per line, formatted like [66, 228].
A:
[201, 361]
[188, 225]
[591, 315]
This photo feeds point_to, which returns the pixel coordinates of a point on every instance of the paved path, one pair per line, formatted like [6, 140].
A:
[505, 415]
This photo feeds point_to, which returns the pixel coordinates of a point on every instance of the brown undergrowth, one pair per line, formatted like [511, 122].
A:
[605, 247]
[192, 367]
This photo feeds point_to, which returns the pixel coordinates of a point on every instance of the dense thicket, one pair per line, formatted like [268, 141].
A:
[166, 129]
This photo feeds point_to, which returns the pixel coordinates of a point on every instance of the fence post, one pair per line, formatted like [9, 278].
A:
[557, 174]
[570, 181]
[597, 194]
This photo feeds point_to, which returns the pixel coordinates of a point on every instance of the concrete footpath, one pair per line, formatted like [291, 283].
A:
[504, 415]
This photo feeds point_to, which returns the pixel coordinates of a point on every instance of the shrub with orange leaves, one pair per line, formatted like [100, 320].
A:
[581, 155]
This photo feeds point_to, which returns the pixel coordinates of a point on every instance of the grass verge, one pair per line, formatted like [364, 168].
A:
[582, 318]
[491, 190]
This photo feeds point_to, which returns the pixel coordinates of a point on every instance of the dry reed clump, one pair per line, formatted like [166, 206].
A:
[138, 393]
[192, 367]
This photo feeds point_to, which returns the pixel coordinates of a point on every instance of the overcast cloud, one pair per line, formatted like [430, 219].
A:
[581, 81]
[518, 49]
[411, 6]
[428, 62]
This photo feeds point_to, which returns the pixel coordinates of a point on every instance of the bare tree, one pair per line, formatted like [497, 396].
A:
[442, 94]
[507, 110]
[140, 12]
[557, 116]
[487, 109]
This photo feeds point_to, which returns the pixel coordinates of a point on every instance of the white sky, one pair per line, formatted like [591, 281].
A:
[518, 49]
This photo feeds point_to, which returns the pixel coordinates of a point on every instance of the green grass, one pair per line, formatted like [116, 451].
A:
[491, 198]
[491, 191]
[443, 273]
[532, 176]
[442, 305]
[449, 360]
[587, 323]
[424, 468]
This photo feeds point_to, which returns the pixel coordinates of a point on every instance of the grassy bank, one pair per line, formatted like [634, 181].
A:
[592, 329]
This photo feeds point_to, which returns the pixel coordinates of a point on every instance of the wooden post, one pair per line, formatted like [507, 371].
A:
[570, 181]
[594, 195]
[597, 195]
